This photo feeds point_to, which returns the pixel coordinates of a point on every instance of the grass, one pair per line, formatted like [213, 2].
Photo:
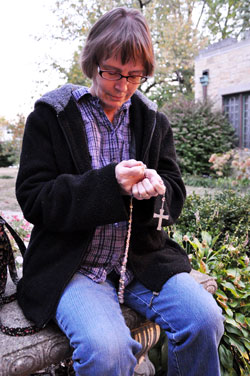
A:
[6, 177]
[216, 182]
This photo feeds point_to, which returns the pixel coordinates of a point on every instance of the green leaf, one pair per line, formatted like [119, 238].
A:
[206, 237]
[226, 357]
[244, 296]
[245, 333]
[231, 288]
[240, 347]
[221, 294]
[231, 321]
[247, 321]
[177, 236]
[247, 344]
[241, 319]
[240, 284]
[233, 330]
[234, 304]
[232, 272]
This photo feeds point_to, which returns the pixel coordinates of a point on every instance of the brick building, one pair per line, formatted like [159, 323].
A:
[222, 74]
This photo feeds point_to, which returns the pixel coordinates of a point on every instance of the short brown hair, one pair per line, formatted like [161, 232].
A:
[121, 31]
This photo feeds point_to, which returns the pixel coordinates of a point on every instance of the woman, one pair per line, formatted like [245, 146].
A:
[91, 159]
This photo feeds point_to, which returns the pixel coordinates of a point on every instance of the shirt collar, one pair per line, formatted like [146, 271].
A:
[84, 92]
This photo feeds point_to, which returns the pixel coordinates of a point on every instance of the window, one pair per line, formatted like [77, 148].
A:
[246, 120]
[237, 108]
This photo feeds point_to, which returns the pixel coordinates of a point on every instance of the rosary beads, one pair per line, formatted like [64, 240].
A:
[125, 259]
[160, 217]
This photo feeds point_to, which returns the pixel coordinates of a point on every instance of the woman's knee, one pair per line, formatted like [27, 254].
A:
[208, 321]
[215, 322]
[106, 355]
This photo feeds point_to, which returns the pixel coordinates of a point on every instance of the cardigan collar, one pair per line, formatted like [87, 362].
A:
[59, 98]
[142, 115]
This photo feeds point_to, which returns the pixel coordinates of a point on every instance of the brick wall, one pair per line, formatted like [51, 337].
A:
[228, 63]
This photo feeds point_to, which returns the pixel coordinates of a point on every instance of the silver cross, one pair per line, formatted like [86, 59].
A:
[161, 216]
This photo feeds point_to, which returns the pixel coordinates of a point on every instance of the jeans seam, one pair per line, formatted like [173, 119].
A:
[152, 308]
[159, 315]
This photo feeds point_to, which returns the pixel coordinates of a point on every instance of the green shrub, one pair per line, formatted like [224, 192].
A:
[6, 154]
[199, 132]
[225, 213]
[216, 182]
[229, 264]
[214, 232]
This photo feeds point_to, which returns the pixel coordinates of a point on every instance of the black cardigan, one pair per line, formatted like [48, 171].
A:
[65, 200]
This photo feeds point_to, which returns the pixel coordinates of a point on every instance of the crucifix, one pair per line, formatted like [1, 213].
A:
[161, 215]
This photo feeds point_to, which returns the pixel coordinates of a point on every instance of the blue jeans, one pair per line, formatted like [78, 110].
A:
[90, 315]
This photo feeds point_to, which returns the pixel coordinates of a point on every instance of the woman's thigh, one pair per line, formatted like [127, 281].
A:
[180, 300]
[191, 318]
[90, 315]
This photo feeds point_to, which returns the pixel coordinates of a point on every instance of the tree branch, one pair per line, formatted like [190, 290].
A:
[144, 4]
[152, 85]
[203, 7]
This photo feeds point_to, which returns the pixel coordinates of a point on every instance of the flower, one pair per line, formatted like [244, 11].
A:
[197, 216]
[212, 158]
[19, 260]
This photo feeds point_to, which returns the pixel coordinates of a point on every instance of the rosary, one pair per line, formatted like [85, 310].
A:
[160, 217]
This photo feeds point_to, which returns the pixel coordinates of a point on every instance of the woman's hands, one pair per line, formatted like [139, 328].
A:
[129, 173]
[150, 186]
[135, 179]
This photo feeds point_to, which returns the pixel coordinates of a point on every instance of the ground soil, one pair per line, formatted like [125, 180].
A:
[8, 200]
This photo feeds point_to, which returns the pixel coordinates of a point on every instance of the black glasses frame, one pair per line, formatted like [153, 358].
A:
[142, 78]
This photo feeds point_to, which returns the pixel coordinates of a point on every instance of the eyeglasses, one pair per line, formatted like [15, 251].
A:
[115, 76]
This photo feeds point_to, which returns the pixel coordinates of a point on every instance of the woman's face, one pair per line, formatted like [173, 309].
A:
[113, 94]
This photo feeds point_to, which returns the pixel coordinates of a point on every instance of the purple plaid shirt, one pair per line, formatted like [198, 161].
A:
[108, 142]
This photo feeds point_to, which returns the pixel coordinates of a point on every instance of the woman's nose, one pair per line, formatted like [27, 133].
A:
[121, 84]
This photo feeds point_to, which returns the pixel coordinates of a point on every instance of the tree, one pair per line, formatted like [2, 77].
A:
[225, 18]
[4, 144]
[16, 129]
[180, 28]
[10, 149]
[174, 51]
[74, 74]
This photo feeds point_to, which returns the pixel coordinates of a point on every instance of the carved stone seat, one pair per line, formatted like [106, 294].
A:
[22, 356]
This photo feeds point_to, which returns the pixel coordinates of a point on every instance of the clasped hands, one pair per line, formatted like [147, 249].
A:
[136, 179]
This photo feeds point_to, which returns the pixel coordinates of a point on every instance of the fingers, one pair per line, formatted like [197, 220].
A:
[156, 181]
[144, 190]
[151, 186]
[130, 167]
[129, 173]
[132, 163]
[134, 178]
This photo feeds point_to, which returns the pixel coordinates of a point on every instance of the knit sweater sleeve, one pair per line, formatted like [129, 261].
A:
[54, 194]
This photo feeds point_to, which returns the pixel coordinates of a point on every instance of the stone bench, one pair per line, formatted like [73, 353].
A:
[22, 356]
